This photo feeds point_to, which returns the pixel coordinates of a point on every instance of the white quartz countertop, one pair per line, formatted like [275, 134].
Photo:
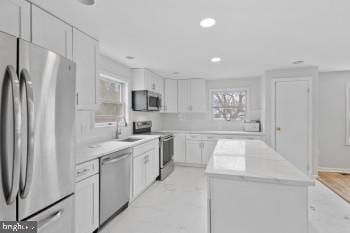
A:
[253, 160]
[92, 151]
[219, 132]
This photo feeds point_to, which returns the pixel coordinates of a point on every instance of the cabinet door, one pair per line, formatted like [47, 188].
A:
[85, 56]
[139, 175]
[193, 151]
[170, 95]
[184, 95]
[198, 95]
[87, 205]
[149, 164]
[15, 18]
[156, 158]
[51, 33]
[180, 148]
[208, 150]
[150, 81]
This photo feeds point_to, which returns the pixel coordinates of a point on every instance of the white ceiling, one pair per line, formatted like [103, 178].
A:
[250, 36]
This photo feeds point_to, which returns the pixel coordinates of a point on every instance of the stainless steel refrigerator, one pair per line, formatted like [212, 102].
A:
[37, 114]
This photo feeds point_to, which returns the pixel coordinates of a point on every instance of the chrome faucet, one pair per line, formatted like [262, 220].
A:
[119, 130]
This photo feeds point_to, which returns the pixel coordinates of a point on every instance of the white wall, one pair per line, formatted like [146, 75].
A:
[86, 130]
[312, 72]
[204, 121]
[85, 125]
[334, 155]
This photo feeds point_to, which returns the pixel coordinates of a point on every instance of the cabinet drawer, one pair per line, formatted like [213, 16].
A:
[87, 169]
[210, 137]
[141, 149]
[194, 136]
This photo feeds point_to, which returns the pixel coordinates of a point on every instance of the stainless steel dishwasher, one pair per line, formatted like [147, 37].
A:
[115, 172]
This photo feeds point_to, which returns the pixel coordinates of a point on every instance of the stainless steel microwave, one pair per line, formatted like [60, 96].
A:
[146, 101]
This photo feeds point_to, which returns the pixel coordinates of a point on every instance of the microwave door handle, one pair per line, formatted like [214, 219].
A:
[26, 85]
[11, 79]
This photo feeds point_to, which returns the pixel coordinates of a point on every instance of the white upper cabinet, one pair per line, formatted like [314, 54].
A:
[51, 33]
[170, 96]
[198, 96]
[15, 18]
[184, 90]
[85, 54]
[144, 79]
[192, 95]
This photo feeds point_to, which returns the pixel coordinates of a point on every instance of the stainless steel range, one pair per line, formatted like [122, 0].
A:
[166, 147]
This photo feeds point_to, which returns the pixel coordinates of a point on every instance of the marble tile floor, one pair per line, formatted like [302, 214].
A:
[178, 205]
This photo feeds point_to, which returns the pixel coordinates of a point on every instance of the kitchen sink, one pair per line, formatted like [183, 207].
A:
[130, 140]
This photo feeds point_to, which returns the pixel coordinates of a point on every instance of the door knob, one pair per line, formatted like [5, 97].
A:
[278, 129]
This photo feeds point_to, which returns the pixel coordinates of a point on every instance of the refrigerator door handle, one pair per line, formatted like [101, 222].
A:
[43, 223]
[11, 80]
[27, 87]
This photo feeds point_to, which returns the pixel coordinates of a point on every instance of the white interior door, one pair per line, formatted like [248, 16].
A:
[292, 110]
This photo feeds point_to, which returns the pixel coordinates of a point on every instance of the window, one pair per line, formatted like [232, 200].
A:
[111, 101]
[229, 104]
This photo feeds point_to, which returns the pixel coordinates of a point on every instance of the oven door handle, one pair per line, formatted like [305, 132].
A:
[168, 139]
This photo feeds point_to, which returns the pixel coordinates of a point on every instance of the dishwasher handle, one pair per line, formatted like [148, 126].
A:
[111, 160]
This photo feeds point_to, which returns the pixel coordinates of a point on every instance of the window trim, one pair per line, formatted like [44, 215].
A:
[125, 96]
[211, 91]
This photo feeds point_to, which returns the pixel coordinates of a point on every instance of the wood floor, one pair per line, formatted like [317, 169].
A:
[337, 182]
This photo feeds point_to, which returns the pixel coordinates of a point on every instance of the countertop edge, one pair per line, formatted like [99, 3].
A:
[269, 180]
[98, 155]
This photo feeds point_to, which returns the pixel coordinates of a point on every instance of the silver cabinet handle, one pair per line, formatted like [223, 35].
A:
[27, 87]
[111, 160]
[11, 79]
[80, 173]
[42, 224]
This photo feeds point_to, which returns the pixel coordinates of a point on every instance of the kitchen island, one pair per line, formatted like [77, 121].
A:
[252, 188]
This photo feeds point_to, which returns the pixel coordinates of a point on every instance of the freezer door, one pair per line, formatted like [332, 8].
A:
[8, 61]
[58, 218]
[47, 172]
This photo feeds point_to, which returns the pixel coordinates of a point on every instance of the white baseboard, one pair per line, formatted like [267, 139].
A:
[329, 169]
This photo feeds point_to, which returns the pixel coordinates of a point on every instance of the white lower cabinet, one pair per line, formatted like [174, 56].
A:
[197, 149]
[139, 174]
[194, 151]
[87, 198]
[156, 158]
[208, 150]
[180, 148]
[145, 163]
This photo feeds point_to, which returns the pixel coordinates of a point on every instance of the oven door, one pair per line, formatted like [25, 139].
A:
[166, 150]
[154, 102]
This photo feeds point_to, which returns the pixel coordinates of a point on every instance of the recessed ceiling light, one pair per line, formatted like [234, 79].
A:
[298, 62]
[130, 57]
[87, 2]
[207, 23]
[216, 59]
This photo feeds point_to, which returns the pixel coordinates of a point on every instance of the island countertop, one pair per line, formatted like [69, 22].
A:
[253, 160]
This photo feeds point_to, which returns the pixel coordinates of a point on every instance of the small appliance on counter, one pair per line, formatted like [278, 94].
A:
[166, 147]
[146, 101]
[251, 126]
